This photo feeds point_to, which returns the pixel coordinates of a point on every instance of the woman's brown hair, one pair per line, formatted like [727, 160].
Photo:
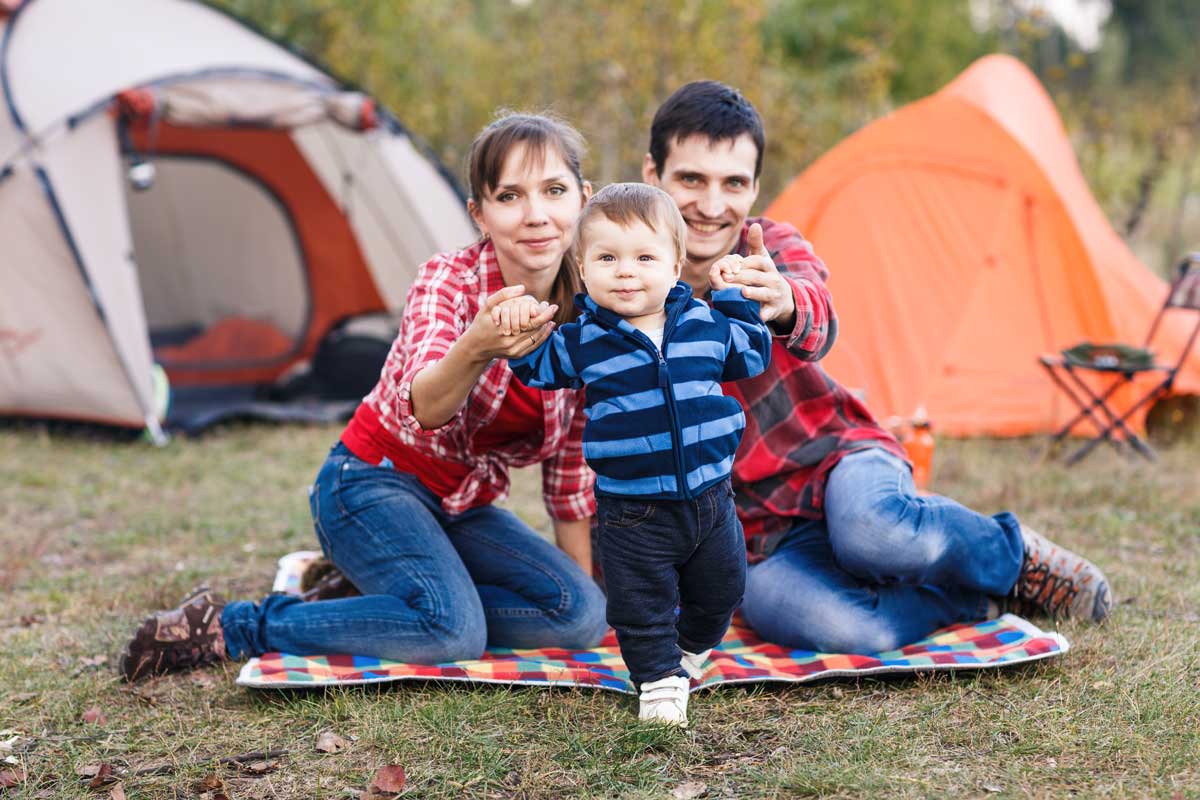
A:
[536, 132]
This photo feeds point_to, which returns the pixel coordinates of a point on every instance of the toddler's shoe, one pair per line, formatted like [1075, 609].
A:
[693, 663]
[665, 701]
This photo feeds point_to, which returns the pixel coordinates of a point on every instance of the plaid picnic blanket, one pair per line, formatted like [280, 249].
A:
[741, 658]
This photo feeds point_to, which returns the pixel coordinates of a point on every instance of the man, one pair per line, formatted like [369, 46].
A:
[846, 557]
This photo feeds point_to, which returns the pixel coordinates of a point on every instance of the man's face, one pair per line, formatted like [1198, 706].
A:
[714, 186]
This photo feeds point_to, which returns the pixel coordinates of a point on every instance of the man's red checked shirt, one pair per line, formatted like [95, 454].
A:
[492, 431]
[799, 421]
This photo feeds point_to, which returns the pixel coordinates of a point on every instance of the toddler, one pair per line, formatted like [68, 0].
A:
[660, 434]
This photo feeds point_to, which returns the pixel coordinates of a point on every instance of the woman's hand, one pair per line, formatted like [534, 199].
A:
[440, 389]
[487, 337]
[575, 539]
[516, 315]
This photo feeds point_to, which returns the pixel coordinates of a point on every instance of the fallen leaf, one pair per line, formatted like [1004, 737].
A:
[689, 790]
[95, 716]
[21, 697]
[93, 661]
[29, 620]
[330, 742]
[103, 777]
[387, 780]
[211, 783]
[117, 792]
[88, 770]
[993, 788]
[259, 767]
[11, 777]
[9, 743]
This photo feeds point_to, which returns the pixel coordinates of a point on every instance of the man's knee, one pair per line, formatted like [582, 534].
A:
[806, 616]
[858, 636]
[879, 541]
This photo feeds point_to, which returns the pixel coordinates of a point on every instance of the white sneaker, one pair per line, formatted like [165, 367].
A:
[693, 663]
[665, 701]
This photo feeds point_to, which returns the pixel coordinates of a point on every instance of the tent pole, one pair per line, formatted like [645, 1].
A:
[155, 432]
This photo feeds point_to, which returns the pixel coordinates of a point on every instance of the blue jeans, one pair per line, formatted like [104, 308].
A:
[659, 555]
[436, 587]
[884, 568]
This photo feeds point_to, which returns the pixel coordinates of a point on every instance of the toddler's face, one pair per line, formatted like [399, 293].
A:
[629, 269]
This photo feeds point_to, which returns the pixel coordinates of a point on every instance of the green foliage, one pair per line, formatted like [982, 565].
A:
[817, 69]
[1158, 38]
[909, 47]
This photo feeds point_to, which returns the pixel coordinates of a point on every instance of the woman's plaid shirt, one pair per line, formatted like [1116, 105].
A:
[799, 421]
[444, 299]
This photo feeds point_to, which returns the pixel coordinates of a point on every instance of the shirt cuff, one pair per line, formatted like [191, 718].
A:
[803, 313]
[409, 421]
[572, 508]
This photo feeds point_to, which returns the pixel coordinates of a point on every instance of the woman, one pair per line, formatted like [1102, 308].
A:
[402, 505]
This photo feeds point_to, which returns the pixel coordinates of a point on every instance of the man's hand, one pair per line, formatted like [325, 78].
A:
[759, 280]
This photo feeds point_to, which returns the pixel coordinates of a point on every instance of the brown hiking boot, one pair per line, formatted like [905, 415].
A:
[186, 636]
[1060, 583]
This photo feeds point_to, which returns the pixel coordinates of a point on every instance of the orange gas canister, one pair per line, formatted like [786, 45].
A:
[919, 446]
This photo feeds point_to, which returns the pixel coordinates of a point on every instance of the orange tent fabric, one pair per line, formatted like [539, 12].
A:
[963, 242]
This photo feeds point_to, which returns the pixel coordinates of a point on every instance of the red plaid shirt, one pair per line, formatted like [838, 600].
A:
[443, 301]
[799, 421]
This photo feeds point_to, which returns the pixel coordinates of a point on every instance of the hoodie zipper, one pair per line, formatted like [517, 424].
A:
[664, 383]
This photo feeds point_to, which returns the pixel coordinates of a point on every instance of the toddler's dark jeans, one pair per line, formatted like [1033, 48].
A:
[658, 555]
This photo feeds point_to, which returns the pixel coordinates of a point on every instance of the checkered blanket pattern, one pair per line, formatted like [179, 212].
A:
[741, 658]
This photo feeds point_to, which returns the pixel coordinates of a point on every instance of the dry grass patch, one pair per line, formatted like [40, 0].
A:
[96, 533]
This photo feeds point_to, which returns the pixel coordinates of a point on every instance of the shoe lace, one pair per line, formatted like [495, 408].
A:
[1040, 588]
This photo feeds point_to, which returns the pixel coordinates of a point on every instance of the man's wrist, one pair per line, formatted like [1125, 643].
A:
[785, 323]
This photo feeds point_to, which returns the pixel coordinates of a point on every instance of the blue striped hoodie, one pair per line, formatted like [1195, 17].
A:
[658, 425]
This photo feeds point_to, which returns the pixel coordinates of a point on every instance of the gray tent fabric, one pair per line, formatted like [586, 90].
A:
[90, 267]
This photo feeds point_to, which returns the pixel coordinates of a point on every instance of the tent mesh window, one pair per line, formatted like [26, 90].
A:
[221, 270]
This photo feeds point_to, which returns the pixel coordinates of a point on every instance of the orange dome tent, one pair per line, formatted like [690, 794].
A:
[963, 243]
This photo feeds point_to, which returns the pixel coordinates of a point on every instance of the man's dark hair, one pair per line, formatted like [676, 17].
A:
[708, 108]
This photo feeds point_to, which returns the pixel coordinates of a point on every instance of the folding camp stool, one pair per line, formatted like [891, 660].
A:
[1123, 364]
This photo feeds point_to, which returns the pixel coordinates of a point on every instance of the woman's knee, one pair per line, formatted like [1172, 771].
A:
[582, 624]
[463, 645]
[455, 634]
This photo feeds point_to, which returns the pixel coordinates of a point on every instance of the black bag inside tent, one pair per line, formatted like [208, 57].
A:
[347, 363]
[345, 367]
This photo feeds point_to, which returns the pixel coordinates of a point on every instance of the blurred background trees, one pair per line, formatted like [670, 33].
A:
[817, 69]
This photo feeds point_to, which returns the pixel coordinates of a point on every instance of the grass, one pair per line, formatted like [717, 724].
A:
[96, 533]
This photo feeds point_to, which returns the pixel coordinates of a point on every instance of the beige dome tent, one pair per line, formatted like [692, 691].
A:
[177, 189]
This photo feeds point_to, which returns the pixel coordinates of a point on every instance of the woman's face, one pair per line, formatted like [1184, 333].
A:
[530, 214]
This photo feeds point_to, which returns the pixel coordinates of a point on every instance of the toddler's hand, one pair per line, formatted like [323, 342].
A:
[722, 273]
[514, 316]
